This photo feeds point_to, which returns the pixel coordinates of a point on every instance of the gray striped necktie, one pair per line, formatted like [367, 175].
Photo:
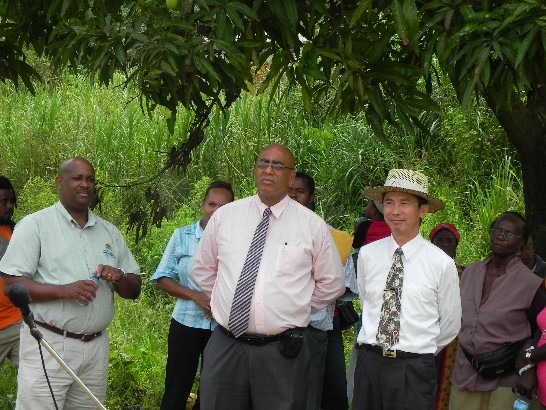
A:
[240, 308]
[389, 321]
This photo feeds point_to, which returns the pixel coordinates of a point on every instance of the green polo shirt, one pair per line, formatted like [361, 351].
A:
[50, 247]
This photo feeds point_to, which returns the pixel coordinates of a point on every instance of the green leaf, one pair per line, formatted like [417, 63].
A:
[422, 102]
[376, 122]
[471, 86]
[399, 21]
[364, 5]
[525, 45]
[120, 53]
[412, 24]
[486, 73]
[379, 48]
[291, 12]
[220, 25]
[329, 53]
[171, 122]
[244, 9]
[234, 17]
[466, 11]
[204, 66]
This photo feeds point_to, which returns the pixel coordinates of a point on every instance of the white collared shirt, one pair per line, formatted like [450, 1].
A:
[300, 267]
[431, 304]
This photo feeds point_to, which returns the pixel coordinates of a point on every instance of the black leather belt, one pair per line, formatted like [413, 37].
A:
[394, 354]
[84, 338]
[250, 339]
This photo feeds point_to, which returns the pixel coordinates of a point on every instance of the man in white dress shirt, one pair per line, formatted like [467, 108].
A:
[397, 371]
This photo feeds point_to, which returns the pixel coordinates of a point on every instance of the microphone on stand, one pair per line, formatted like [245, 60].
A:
[19, 296]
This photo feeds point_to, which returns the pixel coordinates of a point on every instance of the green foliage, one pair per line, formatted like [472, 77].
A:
[138, 341]
[36, 194]
[8, 386]
[495, 44]
[378, 60]
[462, 154]
[503, 193]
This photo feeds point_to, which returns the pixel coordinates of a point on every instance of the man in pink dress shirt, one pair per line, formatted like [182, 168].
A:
[300, 272]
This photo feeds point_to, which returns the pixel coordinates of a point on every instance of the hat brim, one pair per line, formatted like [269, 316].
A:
[376, 194]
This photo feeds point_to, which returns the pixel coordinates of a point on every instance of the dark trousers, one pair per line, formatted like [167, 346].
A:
[384, 383]
[185, 346]
[239, 376]
[334, 387]
[318, 343]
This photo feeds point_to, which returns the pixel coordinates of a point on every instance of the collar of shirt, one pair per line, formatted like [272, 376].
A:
[198, 231]
[412, 246]
[276, 209]
[409, 248]
[91, 219]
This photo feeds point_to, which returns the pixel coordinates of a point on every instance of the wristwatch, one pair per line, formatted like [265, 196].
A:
[115, 282]
[528, 353]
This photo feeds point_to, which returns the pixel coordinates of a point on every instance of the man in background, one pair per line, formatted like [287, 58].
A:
[72, 262]
[328, 382]
[532, 260]
[10, 317]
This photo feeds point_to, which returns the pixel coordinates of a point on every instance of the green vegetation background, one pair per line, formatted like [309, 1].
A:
[463, 156]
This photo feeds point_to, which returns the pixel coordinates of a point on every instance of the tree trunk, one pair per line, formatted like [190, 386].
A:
[525, 126]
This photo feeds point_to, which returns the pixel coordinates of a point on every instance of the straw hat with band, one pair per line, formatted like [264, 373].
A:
[406, 180]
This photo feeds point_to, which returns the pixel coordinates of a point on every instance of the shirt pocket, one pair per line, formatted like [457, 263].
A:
[423, 299]
[290, 259]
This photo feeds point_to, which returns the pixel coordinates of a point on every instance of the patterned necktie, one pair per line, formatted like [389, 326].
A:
[389, 321]
[240, 308]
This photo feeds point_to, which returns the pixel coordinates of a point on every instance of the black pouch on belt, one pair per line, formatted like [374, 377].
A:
[291, 342]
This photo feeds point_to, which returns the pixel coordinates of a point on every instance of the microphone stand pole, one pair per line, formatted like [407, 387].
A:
[40, 338]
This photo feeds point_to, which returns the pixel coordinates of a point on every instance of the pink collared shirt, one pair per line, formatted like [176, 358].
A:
[300, 267]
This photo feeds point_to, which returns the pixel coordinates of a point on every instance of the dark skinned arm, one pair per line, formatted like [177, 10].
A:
[173, 288]
[126, 285]
[526, 384]
[538, 303]
[81, 290]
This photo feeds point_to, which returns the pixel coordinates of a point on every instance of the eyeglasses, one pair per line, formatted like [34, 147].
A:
[503, 234]
[277, 166]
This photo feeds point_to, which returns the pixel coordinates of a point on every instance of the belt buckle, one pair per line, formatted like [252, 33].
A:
[256, 341]
[389, 353]
[88, 338]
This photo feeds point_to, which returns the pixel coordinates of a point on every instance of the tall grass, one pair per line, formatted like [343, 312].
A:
[463, 156]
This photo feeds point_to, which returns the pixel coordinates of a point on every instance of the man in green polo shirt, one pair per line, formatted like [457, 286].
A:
[72, 262]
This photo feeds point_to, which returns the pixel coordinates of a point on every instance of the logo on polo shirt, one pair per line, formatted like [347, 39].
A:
[107, 252]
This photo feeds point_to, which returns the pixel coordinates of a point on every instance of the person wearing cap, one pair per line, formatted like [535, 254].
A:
[446, 237]
[409, 293]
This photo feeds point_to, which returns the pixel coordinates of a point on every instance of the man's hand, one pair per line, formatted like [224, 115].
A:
[204, 302]
[109, 273]
[81, 290]
[526, 384]
[126, 284]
